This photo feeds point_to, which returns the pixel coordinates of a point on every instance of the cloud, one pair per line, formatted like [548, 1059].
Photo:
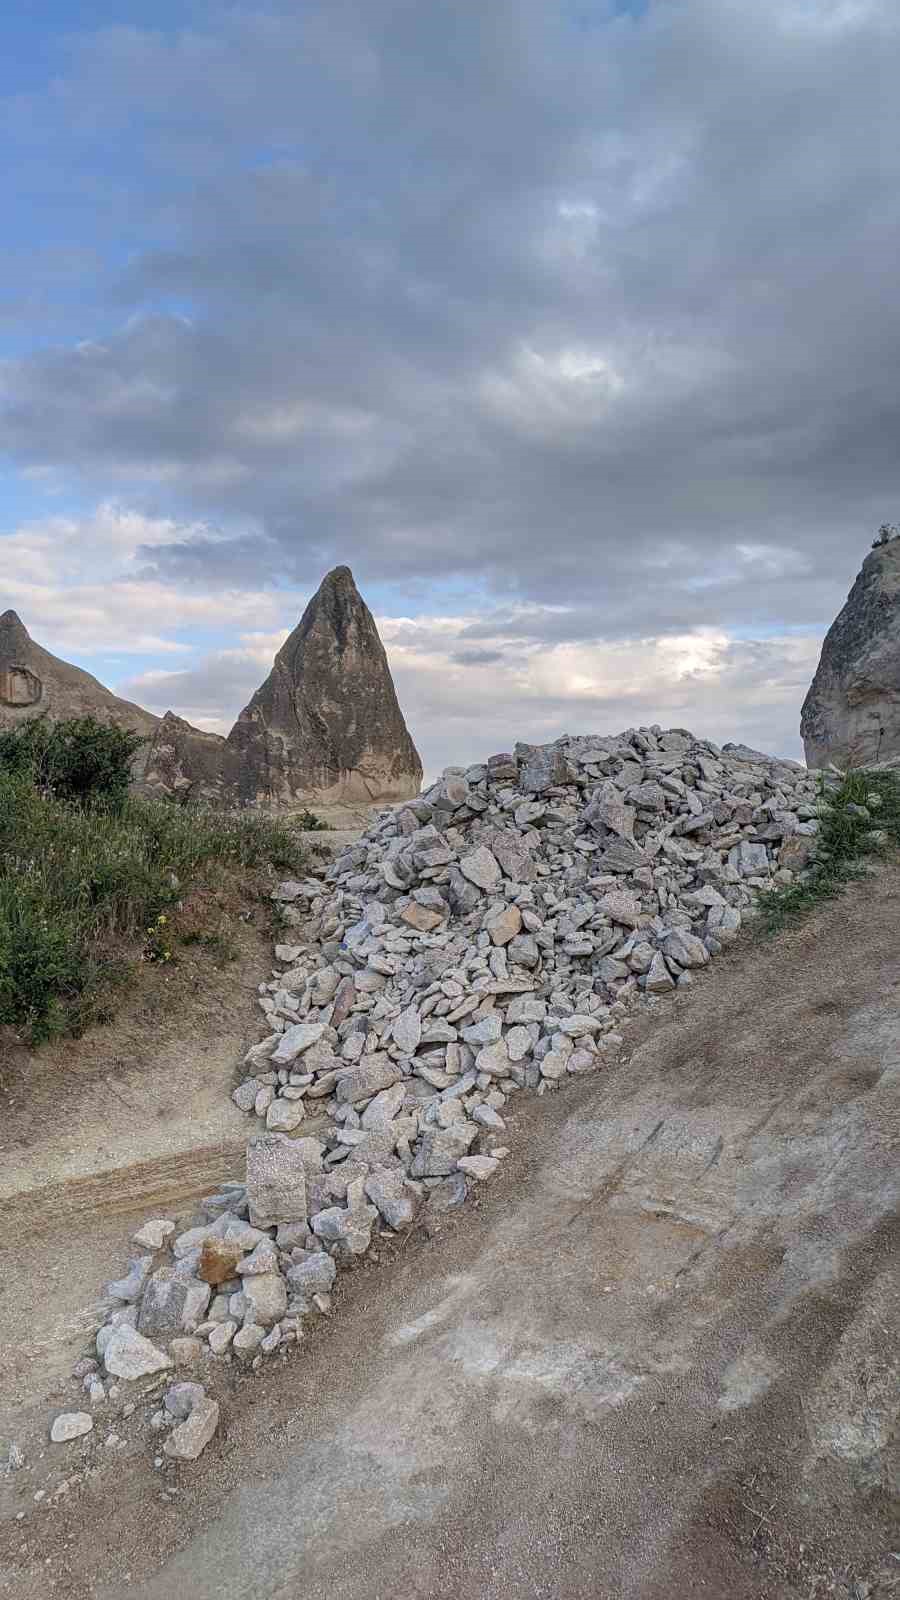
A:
[81, 584]
[463, 704]
[588, 313]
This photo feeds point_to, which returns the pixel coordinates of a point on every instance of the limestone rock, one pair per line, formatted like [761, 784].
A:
[851, 715]
[326, 726]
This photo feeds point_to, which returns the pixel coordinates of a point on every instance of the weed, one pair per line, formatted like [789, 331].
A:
[859, 818]
[86, 886]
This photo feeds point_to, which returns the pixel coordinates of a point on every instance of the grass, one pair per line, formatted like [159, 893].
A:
[86, 891]
[859, 818]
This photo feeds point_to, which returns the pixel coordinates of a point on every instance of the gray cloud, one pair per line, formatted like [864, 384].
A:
[602, 316]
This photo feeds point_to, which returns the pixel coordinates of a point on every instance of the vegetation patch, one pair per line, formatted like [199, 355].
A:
[93, 880]
[859, 818]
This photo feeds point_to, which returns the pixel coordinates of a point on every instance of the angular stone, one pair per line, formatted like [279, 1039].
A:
[407, 1030]
[221, 1336]
[263, 1259]
[315, 1275]
[439, 1150]
[384, 1108]
[479, 1167]
[494, 1058]
[545, 768]
[218, 1261]
[622, 907]
[163, 1304]
[285, 1115]
[373, 1074]
[487, 1117]
[504, 925]
[70, 1425]
[129, 1355]
[276, 1179]
[244, 1096]
[153, 1234]
[850, 716]
[190, 1438]
[659, 979]
[449, 1194]
[420, 918]
[247, 1340]
[481, 867]
[181, 1398]
[577, 1026]
[185, 1351]
[519, 1043]
[351, 1228]
[386, 1190]
[266, 1297]
[131, 1287]
[295, 1040]
[685, 948]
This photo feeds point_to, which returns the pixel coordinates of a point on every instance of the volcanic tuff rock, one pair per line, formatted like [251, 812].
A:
[190, 764]
[851, 715]
[326, 726]
[34, 683]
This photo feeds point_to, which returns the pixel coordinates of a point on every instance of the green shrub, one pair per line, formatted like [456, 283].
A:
[80, 884]
[81, 760]
[859, 817]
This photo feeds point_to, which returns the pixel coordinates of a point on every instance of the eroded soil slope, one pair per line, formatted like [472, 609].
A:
[658, 1358]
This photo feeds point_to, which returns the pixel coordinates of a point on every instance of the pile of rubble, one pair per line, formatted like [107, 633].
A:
[487, 937]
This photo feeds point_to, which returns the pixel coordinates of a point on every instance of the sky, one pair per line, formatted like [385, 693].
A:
[571, 326]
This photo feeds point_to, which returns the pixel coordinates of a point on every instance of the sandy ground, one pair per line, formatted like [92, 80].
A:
[657, 1358]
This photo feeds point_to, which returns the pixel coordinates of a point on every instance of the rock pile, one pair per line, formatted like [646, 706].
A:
[487, 937]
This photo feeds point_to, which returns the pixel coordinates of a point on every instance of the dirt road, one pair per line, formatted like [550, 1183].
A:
[659, 1357]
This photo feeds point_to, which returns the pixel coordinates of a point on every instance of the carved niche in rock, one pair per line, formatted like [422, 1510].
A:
[19, 687]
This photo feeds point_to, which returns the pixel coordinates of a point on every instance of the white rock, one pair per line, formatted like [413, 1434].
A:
[479, 1167]
[129, 1355]
[70, 1425]
[153, 1235]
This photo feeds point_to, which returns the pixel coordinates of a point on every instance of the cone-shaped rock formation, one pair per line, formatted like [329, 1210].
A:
[326, 726]
[851, 715]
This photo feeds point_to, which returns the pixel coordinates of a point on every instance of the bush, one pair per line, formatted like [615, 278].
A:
[82, 760]
[859, 817]
[80, 884]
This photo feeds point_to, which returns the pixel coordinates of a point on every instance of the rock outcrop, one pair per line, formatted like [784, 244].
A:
[34, 683]
[189, 764]
[326, 727]
[851, 715]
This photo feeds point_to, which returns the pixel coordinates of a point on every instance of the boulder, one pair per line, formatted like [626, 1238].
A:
[851, 715]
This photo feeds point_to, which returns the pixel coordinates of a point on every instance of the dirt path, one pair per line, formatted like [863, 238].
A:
[658, 1358]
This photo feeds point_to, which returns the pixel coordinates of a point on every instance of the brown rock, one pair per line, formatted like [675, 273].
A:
[218, 1261]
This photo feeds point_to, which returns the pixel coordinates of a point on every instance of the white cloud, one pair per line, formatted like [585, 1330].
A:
[76, 582]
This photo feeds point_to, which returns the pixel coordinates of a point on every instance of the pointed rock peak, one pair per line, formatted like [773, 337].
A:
[326, 724]
[12, 623]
